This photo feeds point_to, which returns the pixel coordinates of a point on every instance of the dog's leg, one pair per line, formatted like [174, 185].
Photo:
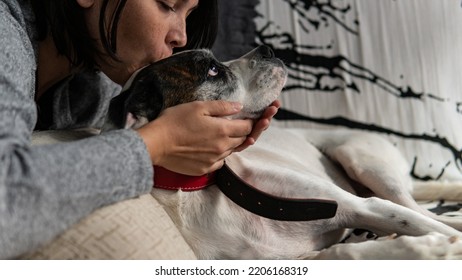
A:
[291, 180]
[432, 246]
[384, 217]
[376, 164]
[386, 177]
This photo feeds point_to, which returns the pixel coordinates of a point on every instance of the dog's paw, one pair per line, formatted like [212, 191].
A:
[359, 235]
[433, 246]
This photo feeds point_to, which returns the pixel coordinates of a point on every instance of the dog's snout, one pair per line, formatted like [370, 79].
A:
[265, 51]
[260, 53]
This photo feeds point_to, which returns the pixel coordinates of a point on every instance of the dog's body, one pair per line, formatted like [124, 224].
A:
[351, 168]
[284, 163]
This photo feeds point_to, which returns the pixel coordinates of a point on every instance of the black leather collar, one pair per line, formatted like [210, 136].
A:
[269, 206]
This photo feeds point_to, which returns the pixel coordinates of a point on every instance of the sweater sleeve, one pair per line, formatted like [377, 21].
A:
[45, 189]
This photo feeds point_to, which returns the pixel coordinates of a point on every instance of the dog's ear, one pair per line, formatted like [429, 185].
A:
[116, 115]
[138, 104]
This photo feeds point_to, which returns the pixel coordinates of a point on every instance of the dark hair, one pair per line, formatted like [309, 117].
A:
[65, 21]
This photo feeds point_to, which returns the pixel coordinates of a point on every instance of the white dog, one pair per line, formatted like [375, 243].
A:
[365, 175]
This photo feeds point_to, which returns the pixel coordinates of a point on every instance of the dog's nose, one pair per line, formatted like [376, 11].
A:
[265, 51]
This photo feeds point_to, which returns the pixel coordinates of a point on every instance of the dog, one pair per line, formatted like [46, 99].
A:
[371, 190]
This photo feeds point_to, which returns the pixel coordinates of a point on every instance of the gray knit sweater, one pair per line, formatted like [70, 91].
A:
[45, 189]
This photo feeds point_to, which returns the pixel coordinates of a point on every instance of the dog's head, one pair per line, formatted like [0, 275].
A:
[255, 80]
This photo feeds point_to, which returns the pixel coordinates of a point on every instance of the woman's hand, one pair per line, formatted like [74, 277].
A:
[194, 138]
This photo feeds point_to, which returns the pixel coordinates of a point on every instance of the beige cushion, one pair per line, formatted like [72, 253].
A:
[133, 229]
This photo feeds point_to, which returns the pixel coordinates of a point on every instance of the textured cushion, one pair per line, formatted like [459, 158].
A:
[133, 229]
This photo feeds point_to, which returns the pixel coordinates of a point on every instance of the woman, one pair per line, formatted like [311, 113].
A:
[52, 53]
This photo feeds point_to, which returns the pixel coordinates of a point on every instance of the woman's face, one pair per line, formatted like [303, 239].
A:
[148, 30]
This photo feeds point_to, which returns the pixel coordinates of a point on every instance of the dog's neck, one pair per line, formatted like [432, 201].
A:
[246, 196]
[169, 180]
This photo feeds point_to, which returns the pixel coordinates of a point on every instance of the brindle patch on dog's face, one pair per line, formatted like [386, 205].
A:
[255, 80]
[195, 75]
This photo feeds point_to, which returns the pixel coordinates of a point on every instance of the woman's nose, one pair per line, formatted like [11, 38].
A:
[177, 36]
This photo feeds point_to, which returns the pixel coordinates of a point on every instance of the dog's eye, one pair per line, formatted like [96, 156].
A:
[213, 71]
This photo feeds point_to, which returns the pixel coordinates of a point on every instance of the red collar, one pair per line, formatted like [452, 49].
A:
[169, 180]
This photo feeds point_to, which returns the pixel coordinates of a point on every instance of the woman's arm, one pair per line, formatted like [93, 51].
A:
[45, 189]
